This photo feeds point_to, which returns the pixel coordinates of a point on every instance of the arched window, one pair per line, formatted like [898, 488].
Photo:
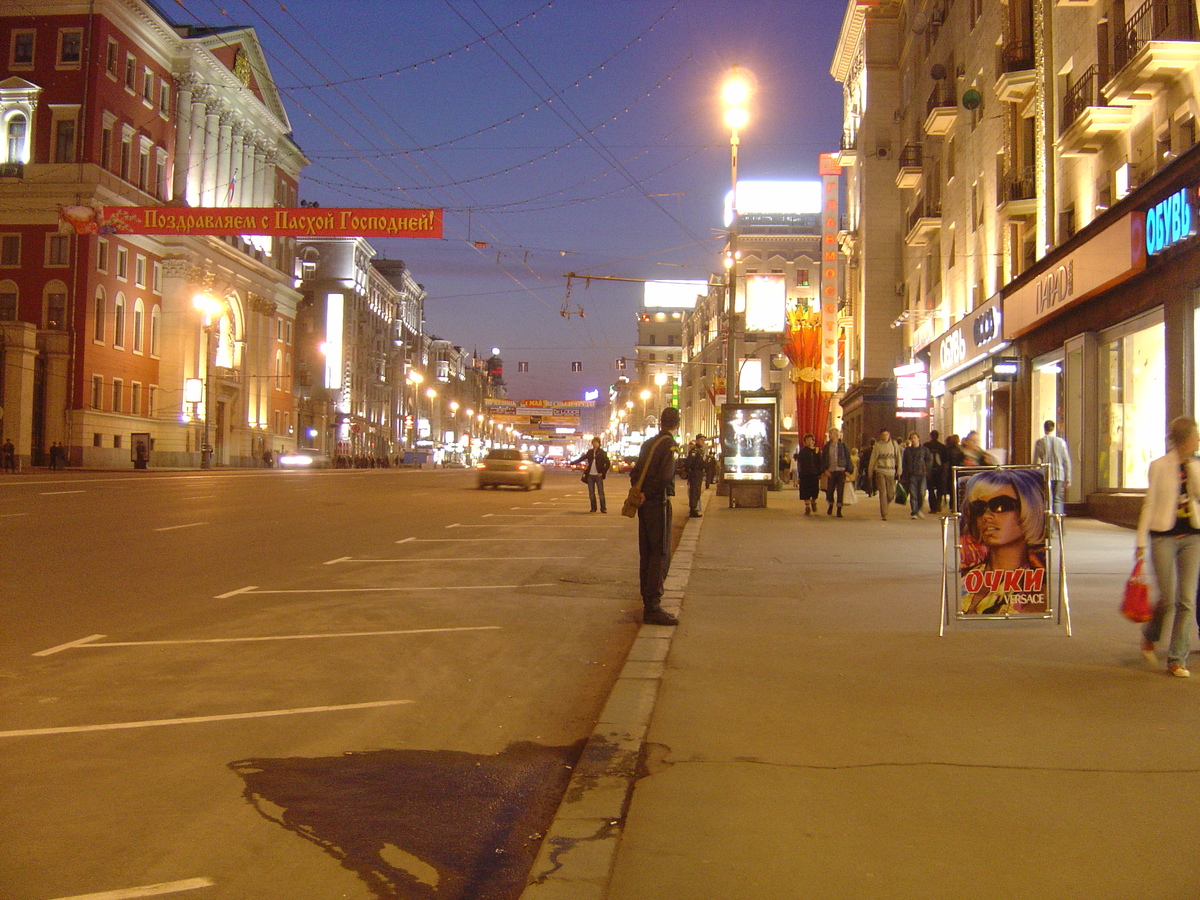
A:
[119, 321]
[155, 329]
[99, 315]
[139, 324]
[16, 139]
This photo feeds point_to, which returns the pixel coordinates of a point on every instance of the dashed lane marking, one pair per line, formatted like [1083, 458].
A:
[69, 645]
[148, 890]
[197, 720]
[508, 538]
[360, 590]
[176, 527]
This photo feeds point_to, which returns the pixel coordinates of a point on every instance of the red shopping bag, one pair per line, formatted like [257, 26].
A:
[1136, 605]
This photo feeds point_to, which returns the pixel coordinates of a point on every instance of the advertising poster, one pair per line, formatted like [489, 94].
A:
[1003, 530]
[748, 442]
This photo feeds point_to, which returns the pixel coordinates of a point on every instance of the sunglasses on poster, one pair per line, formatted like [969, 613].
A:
[1001, 504]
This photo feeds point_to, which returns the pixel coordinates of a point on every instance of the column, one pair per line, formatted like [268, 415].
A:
[183, 137]
[195, 160]
[237, 165]
[224, 148]
[212, 139]
[249, 172]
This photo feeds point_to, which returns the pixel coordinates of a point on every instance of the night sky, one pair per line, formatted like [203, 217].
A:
[566, 136]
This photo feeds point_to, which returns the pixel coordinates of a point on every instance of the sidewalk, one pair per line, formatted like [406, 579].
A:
[807, 734]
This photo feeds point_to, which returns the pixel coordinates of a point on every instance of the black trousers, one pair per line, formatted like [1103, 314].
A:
[695, 487]
[835, 490]
[654, 548]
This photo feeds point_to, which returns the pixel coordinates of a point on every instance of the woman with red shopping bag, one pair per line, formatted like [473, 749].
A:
[1170, 525]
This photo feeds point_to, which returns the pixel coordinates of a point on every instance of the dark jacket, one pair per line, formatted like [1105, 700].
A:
[836, 456]
[917, 463]
[602, 461]
[657, 457]
[808, 462]
[693, 465]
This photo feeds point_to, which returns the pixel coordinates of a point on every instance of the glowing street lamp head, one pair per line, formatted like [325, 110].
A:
[207, 304]
[645, 395]
[736, 91]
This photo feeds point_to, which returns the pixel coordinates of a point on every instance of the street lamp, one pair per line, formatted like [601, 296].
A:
[735, 95]
[210, 309]
[645, 395]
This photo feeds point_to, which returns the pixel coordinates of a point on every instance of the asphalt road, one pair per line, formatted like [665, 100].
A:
[328, 684]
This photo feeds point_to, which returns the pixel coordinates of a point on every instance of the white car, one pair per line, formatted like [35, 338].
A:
[514, 467]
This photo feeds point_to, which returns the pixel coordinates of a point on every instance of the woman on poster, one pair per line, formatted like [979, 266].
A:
[1002, 543]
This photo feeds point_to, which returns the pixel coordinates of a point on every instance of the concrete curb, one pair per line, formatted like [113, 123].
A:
[577, 855]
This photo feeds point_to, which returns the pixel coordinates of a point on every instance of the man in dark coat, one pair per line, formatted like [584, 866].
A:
[657, 460]
[693, 466]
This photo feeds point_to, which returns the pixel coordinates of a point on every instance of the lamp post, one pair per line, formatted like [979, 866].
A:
[735, 94]
[210, 308]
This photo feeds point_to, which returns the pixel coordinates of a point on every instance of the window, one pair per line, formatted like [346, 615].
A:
[116, 442]
[164, 98]
[10, 249]
[152, 402]
[139, 270]
[8, 302]
[143, 179]
[122, 263]
[119, 321]
[97, 398]
[1133, 409]
[99, 315]
[160, 177]
[16, 138]
[139, 323]
[156, 277]
[118, 395]
[155, 329]
[110, 58]
[135, 398]
[64, 140]
[20, 54]
[130, 72]
[101, 255]
[70, 47]
[147, 87]
[106, 140]
[58, 250]
[56, 310]
[126, 155]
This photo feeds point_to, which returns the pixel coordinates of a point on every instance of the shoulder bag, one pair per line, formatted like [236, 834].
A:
[635, 499]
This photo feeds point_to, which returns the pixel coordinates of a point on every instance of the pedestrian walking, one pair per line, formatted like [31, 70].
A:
[8, 455]
[835, 466]
[916, 464]
[595, 470]
[864, 483]
[886, 467]
[657, 460]
[935, 481]
[1170, 524]
[1052, 451]
[808, 474]
[693, 470]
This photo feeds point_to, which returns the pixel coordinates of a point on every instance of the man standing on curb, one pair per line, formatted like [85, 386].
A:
[693, 467]
[657, 460]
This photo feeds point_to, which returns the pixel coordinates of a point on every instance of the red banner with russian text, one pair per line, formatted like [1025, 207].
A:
[263, 220]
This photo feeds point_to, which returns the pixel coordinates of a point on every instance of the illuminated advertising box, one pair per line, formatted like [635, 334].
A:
[748, 442]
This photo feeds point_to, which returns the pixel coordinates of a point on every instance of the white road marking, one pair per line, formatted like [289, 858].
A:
[359, 590]
[283, 637]
[68, 646]
[56, 493]
[195, 720]
[149, 890]
[545, 515]
[454, 559]
[174, 527]
[245, 590]
[489, 525]
[11, 515]
[405, 540]
[455, 525]
[540, 540]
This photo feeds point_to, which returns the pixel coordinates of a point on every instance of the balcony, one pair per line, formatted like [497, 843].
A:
[924, 221]
[911, 171]
[942, 109]
[1088, 122]
[1018, 77]
[1155, 49]
[848, 155]
[1016, 194]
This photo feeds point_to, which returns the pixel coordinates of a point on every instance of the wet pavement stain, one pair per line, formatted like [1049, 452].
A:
[420, 824]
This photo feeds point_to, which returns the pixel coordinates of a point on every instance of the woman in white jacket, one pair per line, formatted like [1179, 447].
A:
[1170, 523]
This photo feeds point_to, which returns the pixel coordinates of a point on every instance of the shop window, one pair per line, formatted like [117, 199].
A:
[1133, 402]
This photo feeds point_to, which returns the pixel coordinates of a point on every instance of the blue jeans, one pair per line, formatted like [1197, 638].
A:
[916, 493]
[595, 485]
[1176, 562]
